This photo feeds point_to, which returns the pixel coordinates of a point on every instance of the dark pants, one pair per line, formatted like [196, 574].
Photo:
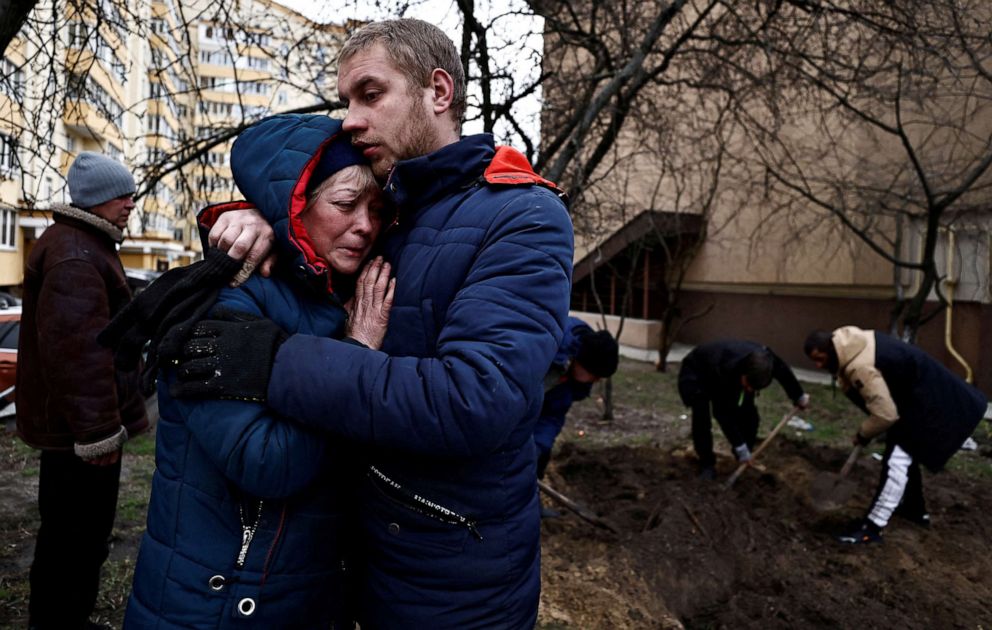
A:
[738, 422]
[78, 502]
[543, 459]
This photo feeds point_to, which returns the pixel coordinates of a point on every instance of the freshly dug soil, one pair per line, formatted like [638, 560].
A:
[693, 554]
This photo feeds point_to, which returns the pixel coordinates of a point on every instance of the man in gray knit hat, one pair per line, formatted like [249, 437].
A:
[72, 402]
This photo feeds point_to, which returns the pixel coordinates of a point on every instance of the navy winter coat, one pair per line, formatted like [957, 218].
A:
[560, 397]
[225, 464]
[482, 257]
[937, 410]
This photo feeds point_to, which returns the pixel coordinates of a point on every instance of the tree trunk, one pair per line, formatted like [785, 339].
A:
[608, 400]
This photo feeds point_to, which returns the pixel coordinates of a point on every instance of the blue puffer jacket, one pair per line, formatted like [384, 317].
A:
[222, 464]
[482, 257]
[559, 398]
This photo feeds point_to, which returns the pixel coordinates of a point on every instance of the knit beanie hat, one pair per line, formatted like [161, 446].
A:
[338, 154]
[599, 353]
[95, 178]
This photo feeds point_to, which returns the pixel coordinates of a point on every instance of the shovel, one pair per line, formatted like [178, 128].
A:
[778, 427]
[580, 510]
[830, 491]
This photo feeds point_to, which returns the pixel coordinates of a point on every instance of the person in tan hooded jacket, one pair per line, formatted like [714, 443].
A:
[73, 403]
[925, 411]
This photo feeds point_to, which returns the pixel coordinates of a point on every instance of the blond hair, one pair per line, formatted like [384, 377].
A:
[361, 174]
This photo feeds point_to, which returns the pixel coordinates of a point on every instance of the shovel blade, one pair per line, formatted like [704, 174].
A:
[830, 491]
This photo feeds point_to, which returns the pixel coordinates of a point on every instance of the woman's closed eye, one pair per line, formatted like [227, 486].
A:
[344, 205]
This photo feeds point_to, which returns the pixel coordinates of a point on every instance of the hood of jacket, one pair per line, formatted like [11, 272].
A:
[272, 163]
[850, 341]
[418, 182]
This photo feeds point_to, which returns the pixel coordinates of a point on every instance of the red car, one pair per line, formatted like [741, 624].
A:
[10, 325]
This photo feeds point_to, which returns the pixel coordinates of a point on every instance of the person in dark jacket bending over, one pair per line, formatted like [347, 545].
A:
[482, 253]
[72, 402]
[925, 411]
[727, 375]
[583, 358]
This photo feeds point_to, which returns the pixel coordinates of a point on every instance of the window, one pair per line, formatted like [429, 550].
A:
[12, 80]
[114, 153]
[77, 35]
[8, 228]
[8, 155]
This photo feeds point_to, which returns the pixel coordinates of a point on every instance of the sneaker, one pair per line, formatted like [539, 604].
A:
[913, 516]
[707, 473]
[865, 533]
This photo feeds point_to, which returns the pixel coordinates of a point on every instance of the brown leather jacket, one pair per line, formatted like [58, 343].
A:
[69, 394]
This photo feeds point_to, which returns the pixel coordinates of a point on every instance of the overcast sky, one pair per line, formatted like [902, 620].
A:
[445, 14]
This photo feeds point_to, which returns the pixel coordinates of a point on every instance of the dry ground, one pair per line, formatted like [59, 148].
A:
[688, 553]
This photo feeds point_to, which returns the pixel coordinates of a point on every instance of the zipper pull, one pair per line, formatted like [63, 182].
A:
[247, 533]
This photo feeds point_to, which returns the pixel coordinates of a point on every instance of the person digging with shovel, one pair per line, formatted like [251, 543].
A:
[727, 375]
[925, 410]
[584, 357]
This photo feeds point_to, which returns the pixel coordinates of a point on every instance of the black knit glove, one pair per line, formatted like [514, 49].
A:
[160, 317]
[228, 356]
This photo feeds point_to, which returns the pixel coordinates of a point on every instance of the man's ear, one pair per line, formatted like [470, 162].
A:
[444, 90]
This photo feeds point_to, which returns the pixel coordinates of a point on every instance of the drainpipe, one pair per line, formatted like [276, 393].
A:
[950, 284]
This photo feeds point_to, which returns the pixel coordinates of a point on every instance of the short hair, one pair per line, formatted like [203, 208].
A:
[757, 367]
[598, 353]
[417, 47]
[821, 340]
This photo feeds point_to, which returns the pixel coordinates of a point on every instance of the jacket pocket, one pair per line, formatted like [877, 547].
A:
[405, 517]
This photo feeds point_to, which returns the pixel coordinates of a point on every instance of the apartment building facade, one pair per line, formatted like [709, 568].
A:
[161, 86]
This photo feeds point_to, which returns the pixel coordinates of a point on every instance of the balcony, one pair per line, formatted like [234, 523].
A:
[83, 119]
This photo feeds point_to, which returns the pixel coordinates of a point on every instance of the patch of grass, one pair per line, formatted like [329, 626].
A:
[132, 509]
[638, 384]
[970, 464]
[141, 445]
[115, 588]
[13, 599]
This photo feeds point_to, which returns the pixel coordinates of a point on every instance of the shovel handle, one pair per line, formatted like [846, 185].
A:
[853, 457]
[778, 427]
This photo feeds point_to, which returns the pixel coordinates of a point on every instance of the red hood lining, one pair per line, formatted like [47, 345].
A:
[510, 167]
[297, 203]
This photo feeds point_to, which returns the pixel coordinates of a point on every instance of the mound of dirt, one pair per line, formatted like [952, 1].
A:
[691, 553]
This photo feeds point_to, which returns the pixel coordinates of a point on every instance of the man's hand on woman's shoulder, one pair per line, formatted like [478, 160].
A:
[245, 235]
